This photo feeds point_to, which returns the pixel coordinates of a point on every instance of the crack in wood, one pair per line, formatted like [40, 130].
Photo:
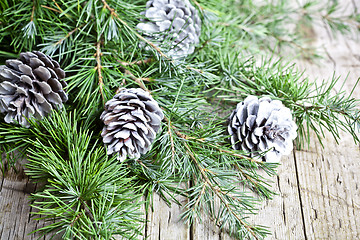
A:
[299, 192]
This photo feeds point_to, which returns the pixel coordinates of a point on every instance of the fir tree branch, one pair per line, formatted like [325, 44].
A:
[76, 219]
[220, 194]
[186, 137]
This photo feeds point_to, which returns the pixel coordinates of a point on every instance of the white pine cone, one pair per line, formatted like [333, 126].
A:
[262, 126]
[132, 118]
[30, 86]
[174, 25]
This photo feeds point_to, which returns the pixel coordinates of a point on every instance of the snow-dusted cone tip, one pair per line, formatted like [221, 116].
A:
[30, 87]
[132, 118]
[263, 127]
[173, 25]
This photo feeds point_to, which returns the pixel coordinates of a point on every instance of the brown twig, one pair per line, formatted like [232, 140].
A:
[57, 5]
[77, 218]
[32, 12]
[67, 35]
[201, 193]
[142, 164]
[98, 67]
[138, 62]
[50, 8]
[139, 81]
[171, 142]
[195, 69]
[245, 175]
[198, 4]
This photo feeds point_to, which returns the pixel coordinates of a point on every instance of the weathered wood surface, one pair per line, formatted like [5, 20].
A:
[318, 188]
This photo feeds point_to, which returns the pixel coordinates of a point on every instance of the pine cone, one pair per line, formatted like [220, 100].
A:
[30, 86]
[262, 126]
[174, 25]
[132, 119]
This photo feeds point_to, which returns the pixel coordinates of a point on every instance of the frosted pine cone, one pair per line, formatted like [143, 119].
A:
[30, 86]
[174, 25]
[132, 119]
[262, 125]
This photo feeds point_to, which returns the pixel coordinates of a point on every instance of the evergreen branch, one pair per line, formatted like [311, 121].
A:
[113, 13]
[186, 137]
[198, 4]
[220, 194]
[76, 219]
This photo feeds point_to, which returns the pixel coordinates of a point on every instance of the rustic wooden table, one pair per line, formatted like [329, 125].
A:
[318, 188]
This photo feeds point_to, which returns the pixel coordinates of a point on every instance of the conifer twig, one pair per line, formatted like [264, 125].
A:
[32, 12]
[186, 137]
[136, 62]
[137, 80]
[57, 5]
[67, 35]
[171, 142]
[99, 68]
[50, 8]
[198, 5]
[76, 219]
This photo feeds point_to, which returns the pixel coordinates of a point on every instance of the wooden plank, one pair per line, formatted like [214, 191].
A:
[164, 222]
[14, 205]
[283, 213]
[206, 228]
[328, 178]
